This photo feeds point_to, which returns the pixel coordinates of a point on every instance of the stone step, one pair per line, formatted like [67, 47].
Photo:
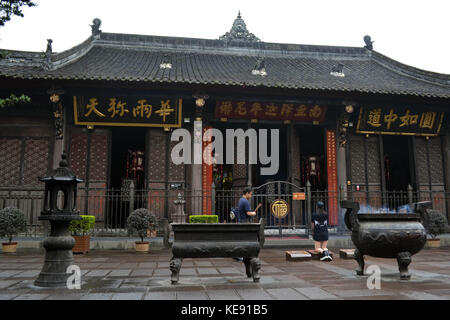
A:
[298, 256]
[347, 253]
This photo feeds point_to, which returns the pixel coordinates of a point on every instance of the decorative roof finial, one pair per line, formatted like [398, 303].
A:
[95, 26]
[368, 42]
[338, 70]
[49, 46]
[47, 63]
[239, 32]
[166, 62]
[260, 67]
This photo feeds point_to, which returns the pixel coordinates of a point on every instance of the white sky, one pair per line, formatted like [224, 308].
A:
[413, 32]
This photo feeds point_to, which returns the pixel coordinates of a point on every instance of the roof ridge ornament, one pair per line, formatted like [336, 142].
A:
[95, 27]
[368, 42]
[239, 32]
[338, 70]
[166, 62]
[47, 63]
[260, 67]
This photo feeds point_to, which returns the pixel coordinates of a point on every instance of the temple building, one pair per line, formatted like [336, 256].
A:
[352, 123]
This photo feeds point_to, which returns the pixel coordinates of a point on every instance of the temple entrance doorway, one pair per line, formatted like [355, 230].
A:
[127, 174]
[399, 171]
[258, 179]
[313, 159]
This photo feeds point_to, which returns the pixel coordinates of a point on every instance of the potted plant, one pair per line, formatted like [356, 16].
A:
[436, 225]
[80, 232]
[12, 222]
[139, 221]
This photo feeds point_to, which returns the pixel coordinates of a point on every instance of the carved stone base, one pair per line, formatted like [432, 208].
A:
[252, 267]
[248, 267]
[359, 257]
[404, 259]
[256, 266]
[58, 256]
[175, 266]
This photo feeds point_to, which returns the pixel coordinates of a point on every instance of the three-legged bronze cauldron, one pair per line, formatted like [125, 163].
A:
[382, 235]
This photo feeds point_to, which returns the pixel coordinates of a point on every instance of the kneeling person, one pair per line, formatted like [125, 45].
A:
[320, 231]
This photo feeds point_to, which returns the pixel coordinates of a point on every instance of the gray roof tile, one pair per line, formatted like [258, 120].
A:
[114, 57]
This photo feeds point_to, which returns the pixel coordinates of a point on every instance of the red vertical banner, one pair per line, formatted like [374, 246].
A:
[207, 176]
[333, 208]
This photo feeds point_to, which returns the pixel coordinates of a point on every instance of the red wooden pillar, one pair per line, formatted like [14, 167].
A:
[207, 176]
[333, 208]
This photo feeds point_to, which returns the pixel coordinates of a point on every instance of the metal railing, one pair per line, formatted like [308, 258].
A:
[112, 207]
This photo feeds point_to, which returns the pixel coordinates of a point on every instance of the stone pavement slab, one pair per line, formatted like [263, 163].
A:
[121, 274]
[286, 294]
[33, 296]
[9, 273]
[142, 272]
[192, 295]
[97, 273]
[254, 294]
[73, 296]
[97, 296]
[227, 294]
[7, 283]
[316, 293]
[128, 296]
[160, 295]
[207, 271]
[8, 296]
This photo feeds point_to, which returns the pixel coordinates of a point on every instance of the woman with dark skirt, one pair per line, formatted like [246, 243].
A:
[320, 231]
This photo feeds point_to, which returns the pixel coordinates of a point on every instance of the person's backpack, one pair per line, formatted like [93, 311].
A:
[234, 213]
[321, 227]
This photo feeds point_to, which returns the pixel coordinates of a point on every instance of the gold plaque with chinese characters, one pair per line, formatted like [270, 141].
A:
[128, 111]
[400, 120]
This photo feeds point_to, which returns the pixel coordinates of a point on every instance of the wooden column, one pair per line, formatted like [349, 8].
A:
[342, 180]
[59, 145]
[446, 153]
[196, 168]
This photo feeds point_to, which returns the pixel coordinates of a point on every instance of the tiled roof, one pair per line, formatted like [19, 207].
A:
[137, 58]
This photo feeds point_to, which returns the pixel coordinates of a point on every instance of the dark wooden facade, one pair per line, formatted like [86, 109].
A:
[28, 147]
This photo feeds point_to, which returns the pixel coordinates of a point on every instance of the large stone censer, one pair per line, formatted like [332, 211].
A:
[387, 235]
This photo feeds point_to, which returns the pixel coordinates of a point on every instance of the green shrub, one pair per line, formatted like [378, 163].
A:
[436, 223]
[83, 226]
[14, 100]
[203, 219]
[12, 222]
[139, 221]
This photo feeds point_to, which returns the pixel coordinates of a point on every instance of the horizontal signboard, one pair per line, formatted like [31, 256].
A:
[298, 196]
[400, 120]
[127, 111]
[270, 111]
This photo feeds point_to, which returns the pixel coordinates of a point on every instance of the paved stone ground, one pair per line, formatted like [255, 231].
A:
[129, 275]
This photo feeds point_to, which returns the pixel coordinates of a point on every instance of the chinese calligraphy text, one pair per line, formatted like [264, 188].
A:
[270, 111]
[128, 111]
[400, 120]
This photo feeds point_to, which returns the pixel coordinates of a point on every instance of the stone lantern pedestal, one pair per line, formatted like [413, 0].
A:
[59, 210]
